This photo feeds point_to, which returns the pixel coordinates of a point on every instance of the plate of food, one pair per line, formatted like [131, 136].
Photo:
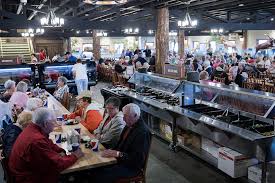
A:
[71, 122]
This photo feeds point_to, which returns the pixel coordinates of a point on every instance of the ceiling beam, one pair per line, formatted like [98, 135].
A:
[42, 3]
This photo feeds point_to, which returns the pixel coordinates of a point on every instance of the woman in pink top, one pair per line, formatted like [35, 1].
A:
[20, 98]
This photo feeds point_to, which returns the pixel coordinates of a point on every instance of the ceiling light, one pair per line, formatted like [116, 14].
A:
[105, 2]
[217, 31]
[131, 31]
[241, 5]
[31, 35]
[77, 32]
[87, 31]
[247, 18]
[51, 20]
[173, 33]
[30, 30]
[87, 14]
[150, 32]
[272, 19]
[187, 22]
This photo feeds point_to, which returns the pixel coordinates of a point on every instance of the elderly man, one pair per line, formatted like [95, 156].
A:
[109, 130]
[131, 150]
[34, 157]
[88, 113]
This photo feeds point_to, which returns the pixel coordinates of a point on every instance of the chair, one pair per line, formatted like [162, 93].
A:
[115, 80]
[141, 177]
[66, 100]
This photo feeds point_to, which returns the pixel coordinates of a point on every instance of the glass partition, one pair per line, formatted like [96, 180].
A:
[229, 96]
[155, 82]
[16, 73]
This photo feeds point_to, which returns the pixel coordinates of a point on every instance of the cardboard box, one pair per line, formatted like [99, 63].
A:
[184, 139]
[255, 173]
[210, 146]
[196, 141]
[234, 163]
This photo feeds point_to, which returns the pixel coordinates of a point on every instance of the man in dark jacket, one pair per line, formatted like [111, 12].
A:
[131, 150]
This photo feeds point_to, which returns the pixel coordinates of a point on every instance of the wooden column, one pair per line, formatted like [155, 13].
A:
[181, 38]
[96, 45]
[245, 37]
[162, 39]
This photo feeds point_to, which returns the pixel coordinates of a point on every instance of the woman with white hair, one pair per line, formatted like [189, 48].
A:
[20, 98]
[33, 104]
[10, 88]
[62, 88]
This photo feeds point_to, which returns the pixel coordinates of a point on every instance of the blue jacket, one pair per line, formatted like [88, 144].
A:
[72, 59]
[9, 137]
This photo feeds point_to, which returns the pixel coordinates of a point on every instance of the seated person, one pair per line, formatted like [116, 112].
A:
[109, 130]
[33, 104]
[62, 88]
[88, 113]
[19, 97]
[204, 76]
[34, 157]
[119, 68]
[13, 130]
[131, 150]
[10, 89]
[271, 69]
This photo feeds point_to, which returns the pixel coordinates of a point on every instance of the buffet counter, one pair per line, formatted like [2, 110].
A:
[44, 75]
[180, 111]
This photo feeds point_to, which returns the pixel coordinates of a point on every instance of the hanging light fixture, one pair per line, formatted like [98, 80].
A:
[51, 20]
[187, 22]
[105, 2]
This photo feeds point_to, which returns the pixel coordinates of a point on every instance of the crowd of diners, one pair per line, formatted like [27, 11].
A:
[234, 68]
[32, 157]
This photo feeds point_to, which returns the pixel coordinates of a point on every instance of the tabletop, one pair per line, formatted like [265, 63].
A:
[90, 159]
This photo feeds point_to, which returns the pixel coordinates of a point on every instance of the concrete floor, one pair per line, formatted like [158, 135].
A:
[166, 166]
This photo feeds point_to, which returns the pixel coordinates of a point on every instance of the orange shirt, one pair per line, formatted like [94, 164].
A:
[92, 120]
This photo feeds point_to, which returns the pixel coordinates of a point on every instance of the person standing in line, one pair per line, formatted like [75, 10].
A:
[148, 53]
[80, 75]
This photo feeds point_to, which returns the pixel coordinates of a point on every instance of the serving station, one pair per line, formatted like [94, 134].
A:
[44, 75]
[232, 117]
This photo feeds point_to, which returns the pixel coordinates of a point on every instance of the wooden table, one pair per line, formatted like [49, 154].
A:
[90, 159]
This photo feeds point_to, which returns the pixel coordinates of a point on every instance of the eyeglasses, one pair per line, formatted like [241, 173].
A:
[110, 108]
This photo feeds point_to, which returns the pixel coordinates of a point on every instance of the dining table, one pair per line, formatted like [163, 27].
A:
[91, 159]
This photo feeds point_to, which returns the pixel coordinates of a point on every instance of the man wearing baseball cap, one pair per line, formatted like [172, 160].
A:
[88, 112]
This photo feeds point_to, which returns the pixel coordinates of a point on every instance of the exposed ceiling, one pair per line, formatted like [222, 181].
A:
[228, 14]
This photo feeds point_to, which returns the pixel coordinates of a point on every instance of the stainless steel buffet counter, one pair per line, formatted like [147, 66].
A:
[233, 117]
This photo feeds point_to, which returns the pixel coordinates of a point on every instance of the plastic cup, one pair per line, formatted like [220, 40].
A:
[60, 119]
[65, 116]
[78, 129]
[94, 144]
[75, 146]
[58, 137]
